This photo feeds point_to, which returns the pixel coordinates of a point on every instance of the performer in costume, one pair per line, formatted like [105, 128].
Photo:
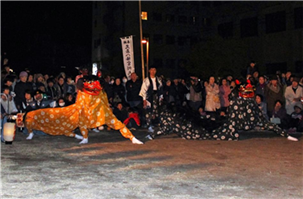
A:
[91, 110]
[243, 114]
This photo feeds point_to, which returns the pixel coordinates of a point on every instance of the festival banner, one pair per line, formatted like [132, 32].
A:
[128, 55]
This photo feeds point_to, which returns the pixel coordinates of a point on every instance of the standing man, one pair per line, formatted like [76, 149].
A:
[152, 93]
[133, 87]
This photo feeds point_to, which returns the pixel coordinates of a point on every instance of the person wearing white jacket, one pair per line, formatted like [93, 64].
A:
[7, 101]
[293, 96]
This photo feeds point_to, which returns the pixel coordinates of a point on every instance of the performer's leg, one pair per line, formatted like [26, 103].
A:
[29, 121]
[84, 133]
[114, 123]
[73, 135]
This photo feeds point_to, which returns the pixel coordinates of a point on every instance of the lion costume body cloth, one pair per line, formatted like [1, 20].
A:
[89, 111]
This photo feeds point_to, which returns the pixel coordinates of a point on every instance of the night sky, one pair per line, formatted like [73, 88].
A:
[43, 36]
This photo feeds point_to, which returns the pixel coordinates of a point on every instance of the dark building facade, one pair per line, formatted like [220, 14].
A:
[270, 32]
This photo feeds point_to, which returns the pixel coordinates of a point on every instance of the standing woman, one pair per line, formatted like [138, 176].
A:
[212, 96]
[224, 93]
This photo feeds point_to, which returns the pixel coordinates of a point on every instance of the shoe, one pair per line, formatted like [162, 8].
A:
[149, 137]
[292, 138]
[150, 129]
[100, 128]
[96, 130]
[79, 137]
[136, 141]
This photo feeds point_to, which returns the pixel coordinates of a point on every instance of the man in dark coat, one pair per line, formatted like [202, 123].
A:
[133, 87]
[20, 89]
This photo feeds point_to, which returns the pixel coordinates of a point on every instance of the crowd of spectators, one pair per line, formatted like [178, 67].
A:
[279, 97]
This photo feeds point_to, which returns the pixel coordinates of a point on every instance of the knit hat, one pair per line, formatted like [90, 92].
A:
[23, 74]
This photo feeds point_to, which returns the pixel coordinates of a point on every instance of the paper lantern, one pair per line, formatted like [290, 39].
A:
[9, 131]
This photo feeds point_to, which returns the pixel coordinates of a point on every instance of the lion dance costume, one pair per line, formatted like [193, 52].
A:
[91, 110]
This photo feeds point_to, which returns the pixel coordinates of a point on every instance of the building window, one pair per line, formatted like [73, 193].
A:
[249, 27]
[157, 16]
[170, 39]
[205, 3]
[170, 63]
[158, 39]
[158, 63]
[225, 30]
[170, 18]
[298, 15]
[181, 41]
[193, 20]
[206, 22]
[271, 68]
[182, 19]
[275, 22]
[144, 15]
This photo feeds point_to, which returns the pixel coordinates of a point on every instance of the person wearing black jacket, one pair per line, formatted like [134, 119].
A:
[51, 90]
[28, 104]
[20, 89]
[133, 87]
[119, 91]
[179, 91]
[195, 90]
[108, 88]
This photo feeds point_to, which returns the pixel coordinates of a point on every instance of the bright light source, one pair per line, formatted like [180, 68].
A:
[144, 41]
[144, 15]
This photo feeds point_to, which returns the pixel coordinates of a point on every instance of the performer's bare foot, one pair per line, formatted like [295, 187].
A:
[30, 136]
[84, 141]
[79, 137]
[136, 141]
[292, 138]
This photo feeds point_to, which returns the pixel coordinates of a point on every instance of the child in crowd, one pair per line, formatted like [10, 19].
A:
[296, 120]
[120, 112]
[133, 120]
[69, 99]
[61, 102]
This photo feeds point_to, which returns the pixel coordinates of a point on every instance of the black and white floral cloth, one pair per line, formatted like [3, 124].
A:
[243, 114]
